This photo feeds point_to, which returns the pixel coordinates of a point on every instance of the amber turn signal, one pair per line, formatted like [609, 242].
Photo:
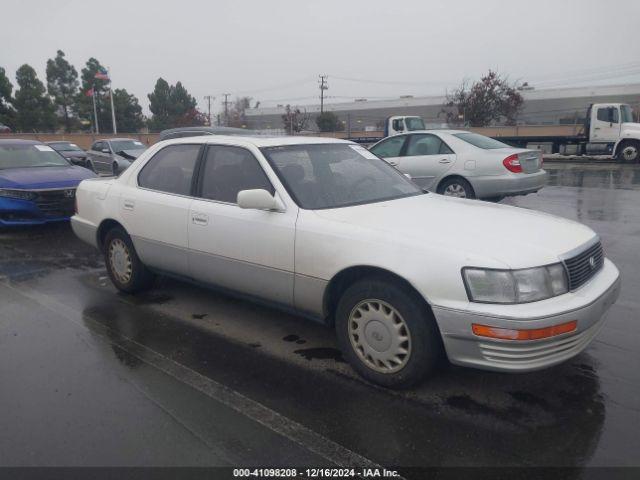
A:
[533, 334]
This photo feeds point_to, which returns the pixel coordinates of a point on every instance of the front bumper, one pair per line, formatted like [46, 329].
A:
[588, 306]
[15, 213]
[508, 184]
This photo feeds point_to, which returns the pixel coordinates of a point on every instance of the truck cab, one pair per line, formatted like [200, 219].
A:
[612, 131]
[401, 124]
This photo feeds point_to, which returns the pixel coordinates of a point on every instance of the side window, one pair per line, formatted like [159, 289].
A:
[608, 114]
[228, 170]
[426, 145]
[390, 147]
[170, 170]
[97, 147]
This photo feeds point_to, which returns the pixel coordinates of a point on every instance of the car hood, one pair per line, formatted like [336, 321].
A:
[504, 236]
[43, 177]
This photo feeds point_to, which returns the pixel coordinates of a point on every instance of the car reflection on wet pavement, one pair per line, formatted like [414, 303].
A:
[186, 376]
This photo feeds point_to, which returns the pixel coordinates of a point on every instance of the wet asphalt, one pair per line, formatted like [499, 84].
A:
[183, 376]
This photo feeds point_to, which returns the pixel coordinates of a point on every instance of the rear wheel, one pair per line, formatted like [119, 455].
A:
[456, 187]
[628, 151]
[387, 334]
[124, 267]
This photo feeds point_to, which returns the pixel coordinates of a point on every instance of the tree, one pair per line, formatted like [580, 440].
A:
[62, 85]
[294, 120]
[329, 122]
[84, 103]
[237, 117]
[172, 106]
[35, 111]
[7, 114]
[129, 116]
[489, 100]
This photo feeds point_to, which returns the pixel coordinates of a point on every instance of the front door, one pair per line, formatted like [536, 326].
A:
[605, 124]
[250, 251]
[156, 211]
[426, 158]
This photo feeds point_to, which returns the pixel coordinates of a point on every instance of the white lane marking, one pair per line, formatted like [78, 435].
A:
[290, 429]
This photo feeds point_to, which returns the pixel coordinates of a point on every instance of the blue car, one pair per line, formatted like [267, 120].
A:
[37, 184]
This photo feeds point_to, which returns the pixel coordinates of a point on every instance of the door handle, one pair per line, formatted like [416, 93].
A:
[199, 219]
[596, 128]
[444, 160]
[129, 204]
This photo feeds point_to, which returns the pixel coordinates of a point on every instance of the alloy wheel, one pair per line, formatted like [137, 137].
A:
[455, 190]
[379, 336]
[630, 153]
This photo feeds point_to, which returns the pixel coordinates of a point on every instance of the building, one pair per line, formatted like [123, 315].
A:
[541, 107]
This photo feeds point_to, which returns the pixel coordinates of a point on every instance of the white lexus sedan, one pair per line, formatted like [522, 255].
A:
[327, 229]
[459, 163]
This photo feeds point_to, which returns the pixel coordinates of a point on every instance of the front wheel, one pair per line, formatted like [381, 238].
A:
[388, 335]
[124, 267]
[456, 187]
[629, 151]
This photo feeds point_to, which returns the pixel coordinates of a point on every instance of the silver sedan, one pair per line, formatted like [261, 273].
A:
[464, 164]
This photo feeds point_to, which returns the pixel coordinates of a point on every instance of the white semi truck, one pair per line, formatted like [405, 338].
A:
[609, 130]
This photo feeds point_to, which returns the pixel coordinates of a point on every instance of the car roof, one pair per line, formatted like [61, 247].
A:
[258, 141]
[116, 139]
[18, 141]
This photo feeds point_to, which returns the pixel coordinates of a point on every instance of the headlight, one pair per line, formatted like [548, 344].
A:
[515, 286]
[18, 194]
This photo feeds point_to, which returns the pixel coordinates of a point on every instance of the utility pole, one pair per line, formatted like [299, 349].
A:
[323, 87]
[209, 99]
[226, 108]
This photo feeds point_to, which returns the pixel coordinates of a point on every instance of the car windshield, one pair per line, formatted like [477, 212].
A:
[65, 147]
[627, 116]
[30, 155]
[120, 145]
[414, 123]
[336, 175]
[481, 141]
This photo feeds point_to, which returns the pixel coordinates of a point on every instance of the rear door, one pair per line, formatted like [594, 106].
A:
[426, 157]
[156, 211]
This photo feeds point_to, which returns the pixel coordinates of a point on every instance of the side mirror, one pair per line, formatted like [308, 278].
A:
[258, 199]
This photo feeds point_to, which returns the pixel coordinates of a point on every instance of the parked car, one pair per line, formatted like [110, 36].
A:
[327, 229]
[114, 155]
[71, 152]
[37, 185]
[4, 128]
[459, 163]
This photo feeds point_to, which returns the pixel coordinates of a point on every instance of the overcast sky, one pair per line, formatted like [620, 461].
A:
[274, 50]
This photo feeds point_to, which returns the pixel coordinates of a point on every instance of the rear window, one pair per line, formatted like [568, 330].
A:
[480, 141]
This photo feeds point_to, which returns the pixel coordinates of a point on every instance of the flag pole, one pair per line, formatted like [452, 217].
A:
[95, 111]
[113, 112]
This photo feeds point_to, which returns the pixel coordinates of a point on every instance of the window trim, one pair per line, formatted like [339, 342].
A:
[408, 142]
[388, 139]
[193, 177]
[199, 171]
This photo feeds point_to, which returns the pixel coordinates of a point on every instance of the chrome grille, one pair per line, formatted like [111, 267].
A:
[56, 203]
[585, 265]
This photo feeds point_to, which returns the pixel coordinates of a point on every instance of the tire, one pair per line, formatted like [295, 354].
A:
[456, 187]
[628, 151]
[124, 267]
[356, 312]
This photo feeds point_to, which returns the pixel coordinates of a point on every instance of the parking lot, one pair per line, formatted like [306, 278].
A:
[185, 376]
